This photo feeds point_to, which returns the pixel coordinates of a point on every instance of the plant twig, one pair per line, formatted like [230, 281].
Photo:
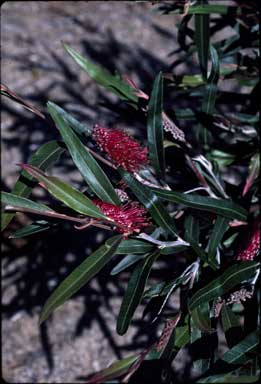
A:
[45, 213]
[99, 157]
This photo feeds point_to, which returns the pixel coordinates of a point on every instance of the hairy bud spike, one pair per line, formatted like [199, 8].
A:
[129, 218]
[122, 149]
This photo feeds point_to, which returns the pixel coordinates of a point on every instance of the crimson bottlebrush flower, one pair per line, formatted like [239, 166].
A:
[121, 149]
[129, 218]
[250, 245]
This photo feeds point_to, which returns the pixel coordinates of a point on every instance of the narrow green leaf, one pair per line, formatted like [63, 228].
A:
[126, 262]
[222, 158]
[134, 292]
[200, 251]
[151, 202]
[174, 249]
[233, 276]
[202, 40]
[209, 99]
[238, 354]
[219, 206]
[87, 165]
[78, 127]
[201, 317]
[182, 337]
[230, 378]
[134, 246]
[219, 229]
[231, 326]
[31, 229]
[80, 276]
[115, 370]
[191, 225]
[113, 83]
[47, 155]
[254, 168]
[155, 129]
[65, 193]
[199, 329]
[208, 103]
[162, 288]
[205, 9]
[22, 202]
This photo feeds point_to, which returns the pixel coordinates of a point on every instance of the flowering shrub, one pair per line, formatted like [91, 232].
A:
[212, 223]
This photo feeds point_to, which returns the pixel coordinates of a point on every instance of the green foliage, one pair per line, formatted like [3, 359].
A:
[197, 221]
[80, 276]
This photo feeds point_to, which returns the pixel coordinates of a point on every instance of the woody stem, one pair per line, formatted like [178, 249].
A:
[99, 157]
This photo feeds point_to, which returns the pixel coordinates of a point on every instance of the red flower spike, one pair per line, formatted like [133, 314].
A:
[122, 149]
[251, 244]
[128, 218]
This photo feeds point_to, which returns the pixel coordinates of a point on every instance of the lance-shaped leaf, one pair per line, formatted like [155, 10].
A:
[201, 317]
[155, 129]
[209, 99]
[171, 250]
[65, 193]
[202, 40]
[80, 276]
[205, 9]
[44, 157]
[199, 335]
[235, 275]
[162, 288]
[134, 246]
[134, 292]
[191, 225]
[114, 371]
[31, 229]
[254, 167]
[87, 165]
[22, 202]
[231, 326]
[182, 337]
[219, 229]
[200, 251]
[113, 83]
[126, 262]
[238, 354]
[151, 202]
[78, 127]
[219, 206]
[232, 378]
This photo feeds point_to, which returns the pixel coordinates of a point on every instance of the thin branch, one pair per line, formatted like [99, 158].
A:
[99, 157]
[45, 213]
[91, 222]
[85, 222]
